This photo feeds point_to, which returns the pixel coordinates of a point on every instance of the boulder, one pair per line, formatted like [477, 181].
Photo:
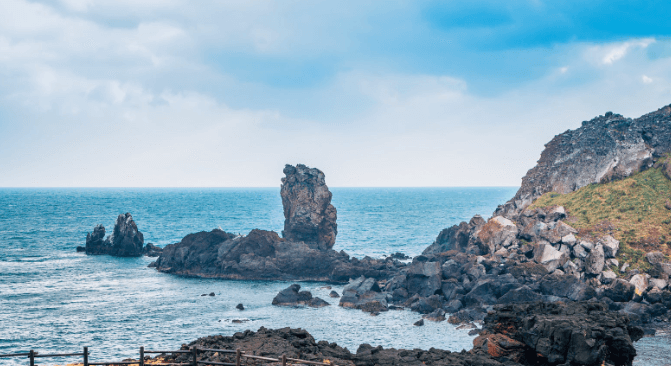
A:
[497, 233]
[151, 250]
[334, 294]
[607, 277]
[520, 295]
[551, 258]
[292, 296]
[240, 307]
[595, 261]
[640, 282]
[364, 293]
[610, 246]
[451, 269]
[657, 283]
[309, 215]
[556, 213]
[424, 278]
[437, 315]
[620, 291]
[654, 257]
[579, 251]
[569, 240]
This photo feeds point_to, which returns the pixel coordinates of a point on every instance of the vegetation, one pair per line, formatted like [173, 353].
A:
[635, 210]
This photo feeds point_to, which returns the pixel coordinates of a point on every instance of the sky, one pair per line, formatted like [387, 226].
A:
[171, 93]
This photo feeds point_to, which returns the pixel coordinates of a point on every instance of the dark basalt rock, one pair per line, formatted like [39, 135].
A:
[151, 250]
[292, 296]
[364, 293]
[575, 333]
[309, 215]
[126, 240]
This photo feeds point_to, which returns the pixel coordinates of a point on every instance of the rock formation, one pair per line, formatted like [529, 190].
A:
[603, 149]
[126, 240]
[309, 215]
[292, 296]
[303, 254]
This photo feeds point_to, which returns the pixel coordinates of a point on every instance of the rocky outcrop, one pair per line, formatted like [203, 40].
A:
[303, 254]
[125, 241]
[364, 294]
[605, 148]
[309, 215]
[292, 296]
[578, 333]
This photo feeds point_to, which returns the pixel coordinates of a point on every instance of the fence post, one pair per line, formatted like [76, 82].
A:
[237, 357]
[284, 360]
[195, 355]
[86, 356]
[142, 356]
[32, 357]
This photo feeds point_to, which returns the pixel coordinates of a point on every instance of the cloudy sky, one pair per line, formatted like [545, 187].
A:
[110, 93]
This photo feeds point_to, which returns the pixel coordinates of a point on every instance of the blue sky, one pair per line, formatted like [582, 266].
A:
[394, 93]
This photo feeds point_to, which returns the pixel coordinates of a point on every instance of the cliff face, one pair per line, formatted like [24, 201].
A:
[309, 215]
[606, 148]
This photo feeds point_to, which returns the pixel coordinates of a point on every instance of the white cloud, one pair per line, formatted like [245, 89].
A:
[646, 79]
[614, 52]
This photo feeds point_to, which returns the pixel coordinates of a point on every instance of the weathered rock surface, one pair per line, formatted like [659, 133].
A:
[309, 215]
[292, 296]
[125, 241]
[365, 294]
[303, 254]
[606, 148]
[578, 333]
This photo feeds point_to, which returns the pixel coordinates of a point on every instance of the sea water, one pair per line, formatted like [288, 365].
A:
[53, 299]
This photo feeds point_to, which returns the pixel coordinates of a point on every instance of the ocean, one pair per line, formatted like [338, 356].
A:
[54, 300]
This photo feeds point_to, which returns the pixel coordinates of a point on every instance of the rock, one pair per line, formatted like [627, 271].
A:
[612, 262]
[556, 213]
[309, 215]
[95, 243]
[654, 257]
[497, 233]
[610, 246]
[640, 283]
[546, 255]
[151, 250]
[453, 306]
[595, 261]
[587, 245]
[424, 278]
[364, 294]
[81, 249]
[658, 283]
[558, 333]
[579, 252]
[608, 277]
[451, 269]
[620, 291]
[419, 323]
[211, 294]
[437, 315]
[519, 295]
[455, 237]
[334, 294]
[240, 307]
[624, 267]
[291, 296]
[569, 240]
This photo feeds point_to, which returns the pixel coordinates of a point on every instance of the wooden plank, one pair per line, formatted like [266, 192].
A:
[217, 350]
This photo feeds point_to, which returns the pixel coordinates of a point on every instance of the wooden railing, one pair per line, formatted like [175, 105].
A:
[239, 357]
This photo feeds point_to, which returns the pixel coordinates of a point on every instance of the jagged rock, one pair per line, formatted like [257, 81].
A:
[419, 323]
[612, 262]
[455, 237]
[424, 278]
[579, 252]
[126, 240]
[606, 148]
[309, 215]
[364, 293]
[569, 240]
[497, 233]
[240, 307]
[334, 294]
[437, 315]
[608, 277]
[559, 333]
[520, 295]
[595, 261]
[453, 306]
[610, 246]
[291, 296]
[556, 213]
[658, 283]
[551, 258]
[451, 269]
[654, 257]
[620, 291]
[640, 282]
[95, 243]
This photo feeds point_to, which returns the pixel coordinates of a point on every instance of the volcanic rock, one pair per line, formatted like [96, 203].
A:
[309, 215]
[95, 243]
[291, 296]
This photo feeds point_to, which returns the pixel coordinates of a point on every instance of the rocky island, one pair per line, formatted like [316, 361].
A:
[125, 241]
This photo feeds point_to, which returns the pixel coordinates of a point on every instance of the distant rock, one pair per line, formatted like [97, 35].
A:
[240, 307]
[292, 296]
[151, 250]
[309, 215]
[125, 241]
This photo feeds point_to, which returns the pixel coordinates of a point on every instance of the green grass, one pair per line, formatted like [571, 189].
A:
[633, 210]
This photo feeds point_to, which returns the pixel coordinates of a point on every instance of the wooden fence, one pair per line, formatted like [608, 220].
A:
[239, 357]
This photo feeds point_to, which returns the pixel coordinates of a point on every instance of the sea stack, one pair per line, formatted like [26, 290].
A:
[125, 241]
[309, 215]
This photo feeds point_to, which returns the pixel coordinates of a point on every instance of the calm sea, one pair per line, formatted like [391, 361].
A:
[55, 300]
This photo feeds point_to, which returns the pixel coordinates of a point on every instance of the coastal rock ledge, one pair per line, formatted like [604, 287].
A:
[303, 254]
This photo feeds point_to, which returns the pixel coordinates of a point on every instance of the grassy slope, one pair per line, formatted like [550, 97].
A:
[632, 210]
